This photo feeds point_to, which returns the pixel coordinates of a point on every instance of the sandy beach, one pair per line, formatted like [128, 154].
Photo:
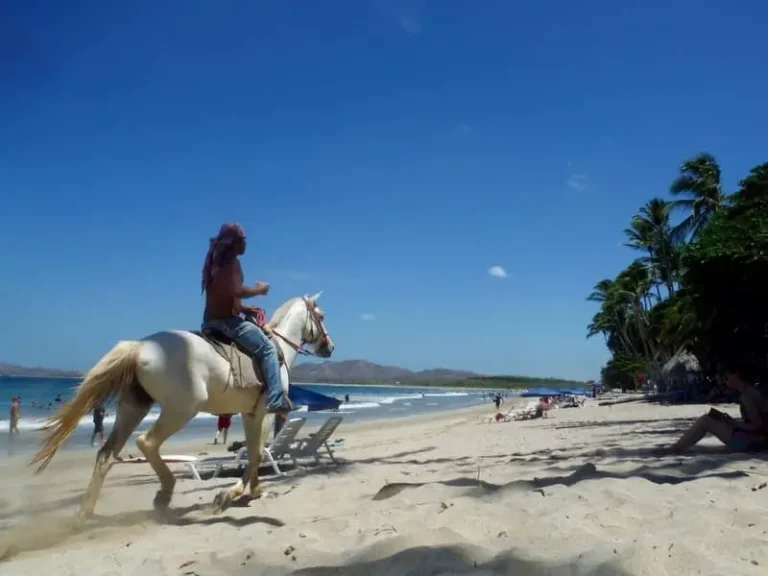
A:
[580, 492]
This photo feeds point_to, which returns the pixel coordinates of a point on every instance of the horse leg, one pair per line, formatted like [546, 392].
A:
[255, 442]
[130, 413]
[252, 423]
[168, 423]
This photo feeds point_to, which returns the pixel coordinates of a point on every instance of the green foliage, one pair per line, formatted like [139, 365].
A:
[727, 275]
[713, 301]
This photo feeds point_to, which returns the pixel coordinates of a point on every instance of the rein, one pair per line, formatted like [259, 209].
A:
[299, 348]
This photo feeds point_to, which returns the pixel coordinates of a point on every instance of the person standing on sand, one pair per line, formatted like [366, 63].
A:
[15, 415]
[99, 413]
[222, 427]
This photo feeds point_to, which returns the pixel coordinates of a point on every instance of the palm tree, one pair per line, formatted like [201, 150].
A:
[651, 232]
[700, 193]
[602, 291]
[611, 319]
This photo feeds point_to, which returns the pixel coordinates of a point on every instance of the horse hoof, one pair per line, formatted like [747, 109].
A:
[83, 515]
[221, 502]
[257, 493]
[162, 500]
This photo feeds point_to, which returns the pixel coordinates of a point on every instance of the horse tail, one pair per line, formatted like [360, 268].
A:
[115, 371]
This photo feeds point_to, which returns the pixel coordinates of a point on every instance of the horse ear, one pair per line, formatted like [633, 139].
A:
[316, 297]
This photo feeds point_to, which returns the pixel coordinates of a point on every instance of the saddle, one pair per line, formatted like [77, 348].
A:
[245, 372]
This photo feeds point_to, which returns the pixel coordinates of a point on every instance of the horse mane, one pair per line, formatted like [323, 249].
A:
[282, 312]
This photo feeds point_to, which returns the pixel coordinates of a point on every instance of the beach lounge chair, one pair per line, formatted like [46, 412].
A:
[276, 450]
[218, 463]
[281, 444]
[189, 462]
[529, 411]
[310, 447]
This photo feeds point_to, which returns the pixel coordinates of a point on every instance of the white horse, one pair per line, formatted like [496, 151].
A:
[185, 374]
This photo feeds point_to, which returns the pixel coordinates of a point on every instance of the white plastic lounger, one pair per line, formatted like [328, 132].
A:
[271, 454]
[310, 446]
[281, 444]
[529, 411]
[189, 462]
[218, 463]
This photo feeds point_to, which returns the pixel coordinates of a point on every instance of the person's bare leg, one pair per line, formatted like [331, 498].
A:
[721, 430]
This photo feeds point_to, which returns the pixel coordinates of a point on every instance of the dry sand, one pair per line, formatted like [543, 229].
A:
[580, 492]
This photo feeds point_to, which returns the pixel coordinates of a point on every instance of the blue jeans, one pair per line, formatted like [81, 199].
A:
[251, 338]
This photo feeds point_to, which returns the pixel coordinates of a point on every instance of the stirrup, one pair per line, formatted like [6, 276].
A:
[284, 407]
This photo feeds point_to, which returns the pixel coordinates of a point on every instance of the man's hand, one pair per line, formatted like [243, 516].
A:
[261, 288]
[250, 310]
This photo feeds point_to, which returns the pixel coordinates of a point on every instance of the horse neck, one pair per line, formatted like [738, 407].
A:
[291, 326]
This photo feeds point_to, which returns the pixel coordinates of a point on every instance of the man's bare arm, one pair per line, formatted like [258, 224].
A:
[241, 291]
[250, 291]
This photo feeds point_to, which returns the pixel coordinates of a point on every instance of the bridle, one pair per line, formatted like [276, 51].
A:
[316, 321]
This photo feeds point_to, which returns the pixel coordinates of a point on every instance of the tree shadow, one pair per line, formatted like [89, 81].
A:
[586, 472]
[609, 423]
[454, 559]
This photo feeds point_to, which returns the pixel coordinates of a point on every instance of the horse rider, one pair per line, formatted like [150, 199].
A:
[224, 290]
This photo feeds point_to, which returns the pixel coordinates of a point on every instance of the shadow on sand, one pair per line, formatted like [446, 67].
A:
[422, 560]
[586, 472]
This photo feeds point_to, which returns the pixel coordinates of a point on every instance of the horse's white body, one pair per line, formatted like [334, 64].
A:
[177, 365]
[185, 375]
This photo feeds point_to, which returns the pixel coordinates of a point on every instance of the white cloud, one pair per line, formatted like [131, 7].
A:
[497, 272]
[577, 181]
[367, 317]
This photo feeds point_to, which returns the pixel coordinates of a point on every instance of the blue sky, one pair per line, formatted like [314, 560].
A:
[386, 152]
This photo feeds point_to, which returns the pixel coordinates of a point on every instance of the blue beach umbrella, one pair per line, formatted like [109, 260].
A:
[540, 392]
[314, 401]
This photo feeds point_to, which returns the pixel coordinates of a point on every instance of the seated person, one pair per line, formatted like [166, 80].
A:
[748, 434]
[223, 286]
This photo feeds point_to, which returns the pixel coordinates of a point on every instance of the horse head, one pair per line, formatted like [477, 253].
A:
[315, 332]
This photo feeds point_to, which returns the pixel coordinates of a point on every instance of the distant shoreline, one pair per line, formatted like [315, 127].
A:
[30, 377]
[479, 385]
[453, 385]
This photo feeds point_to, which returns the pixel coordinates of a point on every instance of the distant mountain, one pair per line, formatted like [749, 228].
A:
[24, 372]
[348, 372]
[363, 371]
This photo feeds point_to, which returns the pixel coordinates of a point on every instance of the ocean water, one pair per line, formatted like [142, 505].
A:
[38, 402]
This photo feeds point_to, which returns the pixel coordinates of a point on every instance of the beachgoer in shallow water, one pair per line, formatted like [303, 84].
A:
[99, 413]
[13, 427]
[224, 290]
[745, 435]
